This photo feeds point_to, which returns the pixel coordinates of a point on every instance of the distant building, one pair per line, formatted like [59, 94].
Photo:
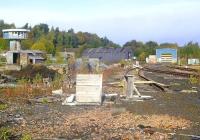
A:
[24, 57]
[16, 56]
[67, 55]
[151, 59]
[166, 55]
[193, 61]
[15, 36]
[108, 55]
[92, 62]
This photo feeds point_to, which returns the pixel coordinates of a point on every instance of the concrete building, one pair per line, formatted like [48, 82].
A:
[109, 55]
[193, 61]
[15, 36]
[151, 59]
[24, 57]
[166, 55]
[16, 56]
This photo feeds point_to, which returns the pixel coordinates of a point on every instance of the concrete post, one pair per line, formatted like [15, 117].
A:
[129, 88]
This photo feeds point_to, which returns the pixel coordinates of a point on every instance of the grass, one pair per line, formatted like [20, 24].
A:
[193, 80]
[5, 133]
[26, 137]
[44, 101]
[3, 106]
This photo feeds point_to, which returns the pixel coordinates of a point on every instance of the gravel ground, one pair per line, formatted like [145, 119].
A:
[150, 119]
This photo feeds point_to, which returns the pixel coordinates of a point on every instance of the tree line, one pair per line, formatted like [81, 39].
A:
[143, 50]
[52, 40]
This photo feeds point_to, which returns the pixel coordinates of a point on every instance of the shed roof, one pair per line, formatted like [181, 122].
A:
[25, 51]
[15, 30]
[103, 50]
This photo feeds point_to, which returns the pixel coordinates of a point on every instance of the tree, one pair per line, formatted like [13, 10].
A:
[40, 30]
[81, 38]
[25, 26]
[190, 50]
[44, 45]
[151, 44]
[169, 45]
[4, 25]
[41, 38]
[39, 46]
[142, 56]
[3, 44]
[26, 44]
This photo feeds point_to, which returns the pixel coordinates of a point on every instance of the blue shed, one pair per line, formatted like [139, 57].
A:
[166, 55]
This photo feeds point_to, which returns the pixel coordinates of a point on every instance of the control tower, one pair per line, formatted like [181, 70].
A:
[15, 36]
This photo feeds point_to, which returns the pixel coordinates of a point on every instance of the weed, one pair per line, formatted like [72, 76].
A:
[22, 81]
[26, 137]
[44, 101]
[3, 106]
[57, 82]
[37, 79]
[5, 133]
[193, 79]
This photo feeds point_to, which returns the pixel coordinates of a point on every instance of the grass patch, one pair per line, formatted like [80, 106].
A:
[26, 137]
[5, 133]
[45, 101]
[3, 106]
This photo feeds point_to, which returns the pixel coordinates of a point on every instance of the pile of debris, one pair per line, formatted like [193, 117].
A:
[6, 79]
[30, 71]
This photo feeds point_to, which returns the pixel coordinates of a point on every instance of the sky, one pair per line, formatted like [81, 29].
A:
[175, 21]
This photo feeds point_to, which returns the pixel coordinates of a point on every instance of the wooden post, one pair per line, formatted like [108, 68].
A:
[129, 88]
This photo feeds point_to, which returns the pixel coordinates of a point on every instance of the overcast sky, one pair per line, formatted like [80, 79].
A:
[176, 21]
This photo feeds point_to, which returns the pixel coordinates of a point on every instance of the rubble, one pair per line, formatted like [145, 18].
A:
[69, 100]
[48, 99]
[30, 71]
[46, 116]
[57, 92]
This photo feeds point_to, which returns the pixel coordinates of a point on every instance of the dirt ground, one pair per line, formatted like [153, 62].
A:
[166, 113]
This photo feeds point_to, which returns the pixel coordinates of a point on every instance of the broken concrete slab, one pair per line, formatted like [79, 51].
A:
[57, 92]
[189, 91]
[70, 100]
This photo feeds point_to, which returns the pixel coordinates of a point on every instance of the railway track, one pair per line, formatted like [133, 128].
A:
[184, 69]
[181, 71]
[159, 86]
[163, 69]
